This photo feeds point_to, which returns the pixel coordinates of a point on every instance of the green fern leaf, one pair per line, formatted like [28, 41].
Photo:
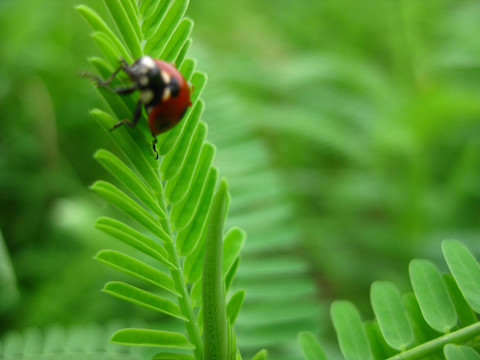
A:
[171, 199]
[213, 290]
[390, 314]
[350, 331]
[432, 295]
[130, 207]
[466, 315]
[465, 270]
[151, 338]
[261, 355]
[89, 342]
[310, 346]
[234, 305]
[143, 298]
[136, 268]
[410, 329]
[177, 188]
[460, 352]
[135, 239]
[131, 181]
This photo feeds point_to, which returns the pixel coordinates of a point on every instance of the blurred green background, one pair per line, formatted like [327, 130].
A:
[369, 112]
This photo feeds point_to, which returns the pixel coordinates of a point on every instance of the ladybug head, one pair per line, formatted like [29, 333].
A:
[148, 78]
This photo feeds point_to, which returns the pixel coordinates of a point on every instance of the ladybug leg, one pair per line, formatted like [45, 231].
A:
[136, 117]
[154, 147]
[105, 83]
[126, 91]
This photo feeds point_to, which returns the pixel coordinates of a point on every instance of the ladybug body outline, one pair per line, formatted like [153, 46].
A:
[164, 93]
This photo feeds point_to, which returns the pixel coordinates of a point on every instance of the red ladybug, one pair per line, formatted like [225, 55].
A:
[163, 91]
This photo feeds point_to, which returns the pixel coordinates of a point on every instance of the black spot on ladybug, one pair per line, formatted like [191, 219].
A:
[174, 87]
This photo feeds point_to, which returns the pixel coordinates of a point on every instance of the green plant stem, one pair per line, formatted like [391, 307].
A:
[437, 344]
[184, 300]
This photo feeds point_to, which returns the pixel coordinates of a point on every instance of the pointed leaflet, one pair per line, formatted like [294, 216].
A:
[109, 51]
[130, 207]
[153, 15]
[460, 352]
[180, 59]
[232, 244]
[234, 305]
[465, 270]
[213, 291]
[136, 268]
[131, 181]
[390, 315]
[177, 188]
[432, 295]
[261, 355]
[188, 238]
[125, 26]
[133, 238]
[161, 37]
[98, 25]
[151, 338]
[143, 298]
[350, 332]
[187, 68]
[182, 213]
[173, 161]
[231, 273]
[153, 12]
[310, 346]
[177, 41]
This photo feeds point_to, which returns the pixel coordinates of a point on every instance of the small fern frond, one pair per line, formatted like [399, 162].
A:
[59, 343]
[439, 313]
[281, 297]
[171, 202]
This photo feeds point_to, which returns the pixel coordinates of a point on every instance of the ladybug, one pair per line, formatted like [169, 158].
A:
[164, 93]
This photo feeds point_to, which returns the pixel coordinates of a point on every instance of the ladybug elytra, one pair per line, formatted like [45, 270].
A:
[164, 93]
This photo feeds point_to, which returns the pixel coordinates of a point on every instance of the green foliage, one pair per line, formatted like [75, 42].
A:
[57, 343]
[281, 295]
[310, 346]
[213, 288]
[372, 128]
[419, 325]
[8, 283]
[176, 219]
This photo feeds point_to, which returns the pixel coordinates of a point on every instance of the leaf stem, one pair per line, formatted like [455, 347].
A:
[184, 300]
[437, 344]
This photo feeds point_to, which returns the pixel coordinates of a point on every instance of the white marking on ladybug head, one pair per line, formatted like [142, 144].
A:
[146, 96]
[147, 63]
[143, 80]
[166, 77]
[166, 94]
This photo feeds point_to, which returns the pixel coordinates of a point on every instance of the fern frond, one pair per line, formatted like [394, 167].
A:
[281, 298]
[170, 202]
[426, 323]
[89, 342]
